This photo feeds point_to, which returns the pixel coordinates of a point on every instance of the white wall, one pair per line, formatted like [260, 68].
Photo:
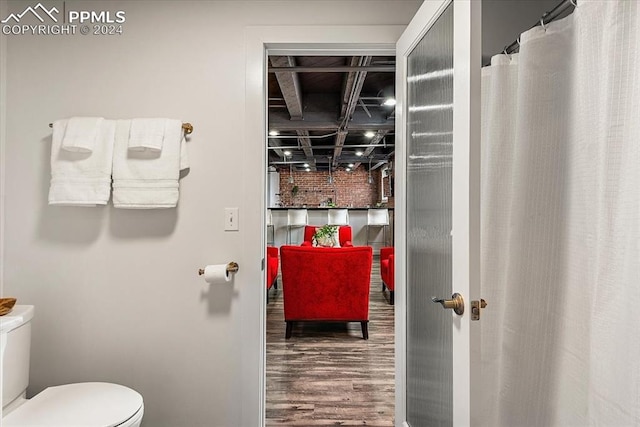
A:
[504, 20]
[117, 293]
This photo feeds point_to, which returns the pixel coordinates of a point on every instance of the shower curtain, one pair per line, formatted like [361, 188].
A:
[561, 223]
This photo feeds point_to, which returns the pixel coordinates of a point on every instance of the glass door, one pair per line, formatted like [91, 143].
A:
[439, 130]
[429, 165]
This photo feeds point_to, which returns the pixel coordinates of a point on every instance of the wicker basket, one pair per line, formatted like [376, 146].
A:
[6, 304]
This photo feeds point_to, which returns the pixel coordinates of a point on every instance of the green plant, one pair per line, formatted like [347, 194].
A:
[294, 190]
[324, 235]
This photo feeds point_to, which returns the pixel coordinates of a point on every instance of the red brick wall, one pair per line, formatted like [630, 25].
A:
[349, 188]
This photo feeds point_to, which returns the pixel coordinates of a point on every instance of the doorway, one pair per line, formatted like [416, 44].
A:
[330, 149]
[322, 40]
[289, 40]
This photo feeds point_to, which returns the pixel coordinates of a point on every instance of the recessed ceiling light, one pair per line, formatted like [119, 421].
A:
[274, 133]
[350, 165]
[389, 102]
[369, 134]
[359, 153]
[306, 165]
[287, 152]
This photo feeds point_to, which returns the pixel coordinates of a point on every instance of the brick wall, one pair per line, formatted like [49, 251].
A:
[349, 188]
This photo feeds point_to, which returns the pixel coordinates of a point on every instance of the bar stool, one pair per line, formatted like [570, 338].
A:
[338, 217]
[296, 218]
[378, 218]
[270, 228]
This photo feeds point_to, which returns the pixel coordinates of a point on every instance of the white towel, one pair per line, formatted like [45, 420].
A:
[147, 134]
[81, 134]
[148, 180]
[81, 178]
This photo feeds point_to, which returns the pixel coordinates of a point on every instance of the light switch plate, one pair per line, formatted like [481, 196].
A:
[231, 219]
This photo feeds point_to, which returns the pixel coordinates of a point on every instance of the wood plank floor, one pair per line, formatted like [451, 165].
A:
[326, 374]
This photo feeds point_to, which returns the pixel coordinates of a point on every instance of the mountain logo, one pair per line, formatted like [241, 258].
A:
[34, 11]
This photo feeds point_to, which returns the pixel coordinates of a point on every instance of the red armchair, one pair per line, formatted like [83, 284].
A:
[272, 269]
[326, 285]
[344, 235]
[387, 271]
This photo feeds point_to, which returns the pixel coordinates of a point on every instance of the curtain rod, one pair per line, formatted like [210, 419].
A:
[187, 127]
[546, 18]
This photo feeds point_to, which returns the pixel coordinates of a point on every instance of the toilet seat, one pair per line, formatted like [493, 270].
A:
[81, 404]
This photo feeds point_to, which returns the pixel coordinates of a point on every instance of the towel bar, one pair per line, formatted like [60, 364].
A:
[187, 127]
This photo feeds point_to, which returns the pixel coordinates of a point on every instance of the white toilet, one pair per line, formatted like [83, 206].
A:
[77, 405]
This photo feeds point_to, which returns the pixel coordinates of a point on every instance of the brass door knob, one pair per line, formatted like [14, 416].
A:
[456, 303]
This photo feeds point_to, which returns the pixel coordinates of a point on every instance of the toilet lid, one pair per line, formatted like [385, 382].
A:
[82, 404]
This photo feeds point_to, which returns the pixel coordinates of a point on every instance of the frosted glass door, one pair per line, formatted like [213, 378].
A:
[437, 253]
[429, 165]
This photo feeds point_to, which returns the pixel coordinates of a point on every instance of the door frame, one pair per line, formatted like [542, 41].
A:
[282, 40]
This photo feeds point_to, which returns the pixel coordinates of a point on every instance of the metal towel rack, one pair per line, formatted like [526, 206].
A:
[187, 127]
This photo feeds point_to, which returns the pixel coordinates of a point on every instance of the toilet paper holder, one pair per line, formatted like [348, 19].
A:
[232, 267]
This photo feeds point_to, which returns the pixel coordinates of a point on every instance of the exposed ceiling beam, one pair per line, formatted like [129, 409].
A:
[336, 69]
[338, 144]
[326, 147]
[289, 85]
[364, 107]
[379, 164]
[350, 95]
[379, 136]
[347, 86]
[305, 143]
[282, 125]
[352, 87]
[315, 127]
[323, 162]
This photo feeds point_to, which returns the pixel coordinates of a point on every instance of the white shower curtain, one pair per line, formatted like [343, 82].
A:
[561, 223]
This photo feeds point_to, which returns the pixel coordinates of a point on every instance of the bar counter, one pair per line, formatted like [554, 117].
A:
[324, 208]
[318, 217]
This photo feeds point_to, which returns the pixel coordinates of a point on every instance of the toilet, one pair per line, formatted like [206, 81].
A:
[91, 404]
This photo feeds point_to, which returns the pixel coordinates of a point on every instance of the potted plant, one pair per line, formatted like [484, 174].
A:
[325, 236]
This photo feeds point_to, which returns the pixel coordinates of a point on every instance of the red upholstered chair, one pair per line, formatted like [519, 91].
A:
[387, 270]
[326, 285]
[272, 268]
[344, 235]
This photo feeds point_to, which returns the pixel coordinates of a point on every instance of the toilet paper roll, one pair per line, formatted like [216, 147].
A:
[215, 274]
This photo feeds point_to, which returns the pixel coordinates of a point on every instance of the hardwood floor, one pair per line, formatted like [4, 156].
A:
[326, 374]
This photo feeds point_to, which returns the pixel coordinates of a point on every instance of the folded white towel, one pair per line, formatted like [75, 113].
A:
[146, 134]
[148, 180]
[81, 134]
[81, 178]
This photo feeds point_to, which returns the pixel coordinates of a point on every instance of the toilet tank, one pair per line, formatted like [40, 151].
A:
[15, 352]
